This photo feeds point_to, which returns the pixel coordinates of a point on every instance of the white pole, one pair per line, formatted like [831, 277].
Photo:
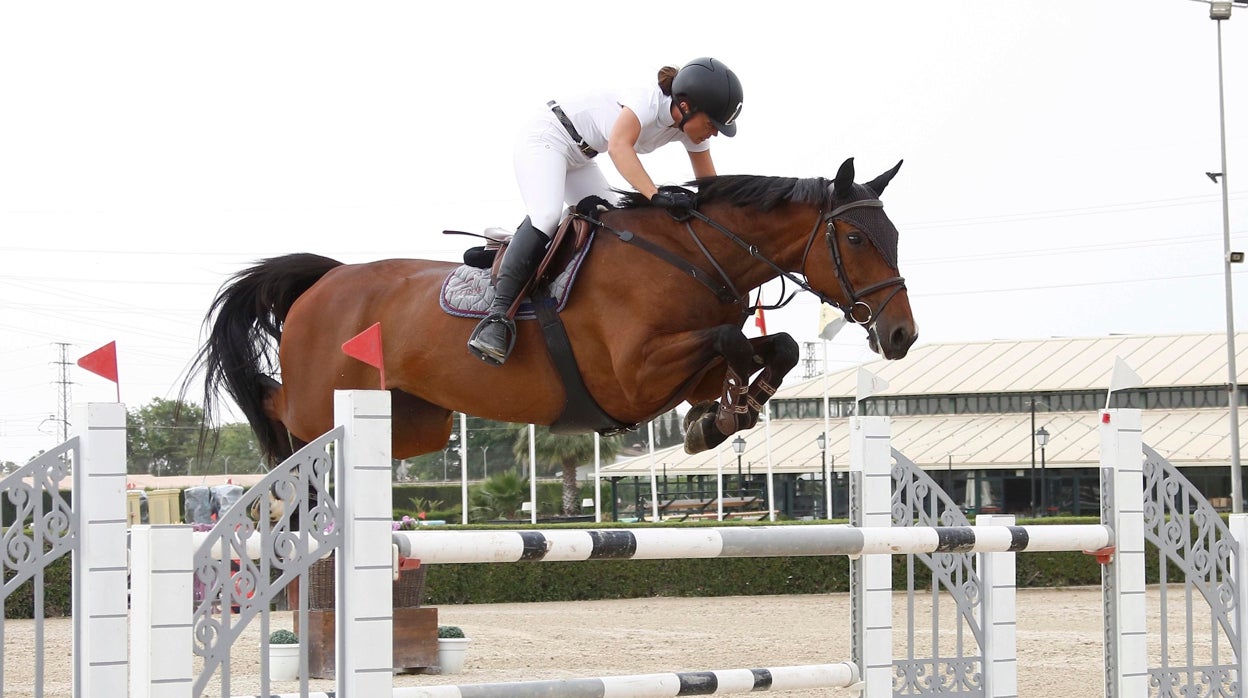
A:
[654, 480]
[719, 481]
[463, 465]
[597, 477]
[532, 474]
[1237, 493]
[827, 439]
[771, 482]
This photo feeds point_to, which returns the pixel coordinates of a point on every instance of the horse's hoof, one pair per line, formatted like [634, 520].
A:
[703, 435]
[696, 412]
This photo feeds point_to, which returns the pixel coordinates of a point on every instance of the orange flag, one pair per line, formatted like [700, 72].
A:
[366, 346]
[759, 321]
[103, 362]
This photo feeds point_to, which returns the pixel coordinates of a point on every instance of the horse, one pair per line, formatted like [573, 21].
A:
[654, 320]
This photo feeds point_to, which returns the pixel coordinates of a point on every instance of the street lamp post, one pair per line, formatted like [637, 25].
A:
[1220, 10]
[738, 445]
[1042, 438]
[822, 442]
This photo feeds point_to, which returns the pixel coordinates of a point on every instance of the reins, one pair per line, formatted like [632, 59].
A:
[726, 291]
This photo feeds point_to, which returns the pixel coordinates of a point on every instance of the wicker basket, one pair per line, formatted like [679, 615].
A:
[408, 589]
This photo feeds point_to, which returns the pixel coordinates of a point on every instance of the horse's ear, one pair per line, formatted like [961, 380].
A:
[843, 188]
[877, 185]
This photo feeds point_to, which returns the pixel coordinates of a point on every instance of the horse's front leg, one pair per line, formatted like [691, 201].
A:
[740, 403]
[778, 353]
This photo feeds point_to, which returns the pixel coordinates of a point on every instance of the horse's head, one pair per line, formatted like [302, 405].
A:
[851, 259]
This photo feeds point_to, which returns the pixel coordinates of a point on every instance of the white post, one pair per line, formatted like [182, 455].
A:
[771, 476]
[463, 467]
[364, 632]
[998, 619]
[654, 478]
[870, 462]
[719, 481]
[1122, 461]
[1238, 525]
[161, 613]
[99, 561]
[532, 474]
[597, 477]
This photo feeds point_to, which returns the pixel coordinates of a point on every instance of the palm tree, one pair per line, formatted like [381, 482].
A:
[568, 451]
[500, 496]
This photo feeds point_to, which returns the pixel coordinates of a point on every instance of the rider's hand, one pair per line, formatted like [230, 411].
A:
[677, 200]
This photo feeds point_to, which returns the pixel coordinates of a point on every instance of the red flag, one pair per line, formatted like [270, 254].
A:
[366, 346]
[759, 321]
[103, 362]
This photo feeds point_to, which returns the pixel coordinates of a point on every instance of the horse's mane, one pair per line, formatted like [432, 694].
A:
[762, 192]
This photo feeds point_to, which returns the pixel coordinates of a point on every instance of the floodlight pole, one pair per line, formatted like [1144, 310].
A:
[1220, 10]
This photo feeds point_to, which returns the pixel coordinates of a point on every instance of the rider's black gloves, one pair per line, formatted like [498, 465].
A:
[677, 200]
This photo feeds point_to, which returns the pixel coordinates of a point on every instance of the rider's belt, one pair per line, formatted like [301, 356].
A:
[567, 125]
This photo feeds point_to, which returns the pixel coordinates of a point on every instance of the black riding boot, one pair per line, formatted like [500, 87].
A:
[494, 336]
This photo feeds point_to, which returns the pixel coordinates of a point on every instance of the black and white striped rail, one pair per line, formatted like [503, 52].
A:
[564, 545]
[690, 683]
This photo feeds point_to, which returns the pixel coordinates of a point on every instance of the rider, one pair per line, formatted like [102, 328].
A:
[554, 161]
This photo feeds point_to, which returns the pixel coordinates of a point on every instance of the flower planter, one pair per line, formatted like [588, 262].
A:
[451, 654]
[415, 629]
[283, 662]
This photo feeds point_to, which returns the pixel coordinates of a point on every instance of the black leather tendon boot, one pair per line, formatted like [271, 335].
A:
[494, 336]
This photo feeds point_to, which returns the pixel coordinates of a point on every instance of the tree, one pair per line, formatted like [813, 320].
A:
[500, 496]
[162, 437]
[564, 452]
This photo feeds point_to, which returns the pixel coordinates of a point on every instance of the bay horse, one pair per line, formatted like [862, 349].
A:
[654, 319]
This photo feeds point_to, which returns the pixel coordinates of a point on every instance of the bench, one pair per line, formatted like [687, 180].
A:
[749, 515]
[731, 503]
[673, 506]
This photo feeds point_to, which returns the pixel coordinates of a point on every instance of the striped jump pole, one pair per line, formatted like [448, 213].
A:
[565, 545]
[689, 683]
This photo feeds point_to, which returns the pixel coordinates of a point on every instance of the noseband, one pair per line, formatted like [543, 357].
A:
[856, 305]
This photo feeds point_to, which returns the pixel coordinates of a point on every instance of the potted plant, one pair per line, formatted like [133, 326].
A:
[451, 648]
[283, 656]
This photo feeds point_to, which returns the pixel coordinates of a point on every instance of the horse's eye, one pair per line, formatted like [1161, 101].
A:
[854, 238]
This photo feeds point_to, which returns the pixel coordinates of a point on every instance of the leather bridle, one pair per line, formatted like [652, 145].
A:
[855, 296]
[857, 311]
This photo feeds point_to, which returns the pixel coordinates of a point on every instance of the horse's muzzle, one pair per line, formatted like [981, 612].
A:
[892, 341]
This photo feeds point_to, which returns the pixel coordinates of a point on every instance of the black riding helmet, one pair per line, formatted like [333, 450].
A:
[709, 86]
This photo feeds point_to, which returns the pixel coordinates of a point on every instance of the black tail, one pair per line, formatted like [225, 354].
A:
[244, 325]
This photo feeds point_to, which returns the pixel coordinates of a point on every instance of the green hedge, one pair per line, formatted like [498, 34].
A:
[57, 592]
[626, 579]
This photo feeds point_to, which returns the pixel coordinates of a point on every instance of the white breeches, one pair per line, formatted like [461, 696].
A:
[553, 174]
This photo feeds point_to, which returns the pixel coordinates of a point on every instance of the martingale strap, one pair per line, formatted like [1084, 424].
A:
[721, 291]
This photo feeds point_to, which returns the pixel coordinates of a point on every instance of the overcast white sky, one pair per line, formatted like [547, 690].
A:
[1054, 180]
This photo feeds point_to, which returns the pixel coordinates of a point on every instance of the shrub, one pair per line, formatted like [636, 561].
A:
[450, 631]
[283, 637]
